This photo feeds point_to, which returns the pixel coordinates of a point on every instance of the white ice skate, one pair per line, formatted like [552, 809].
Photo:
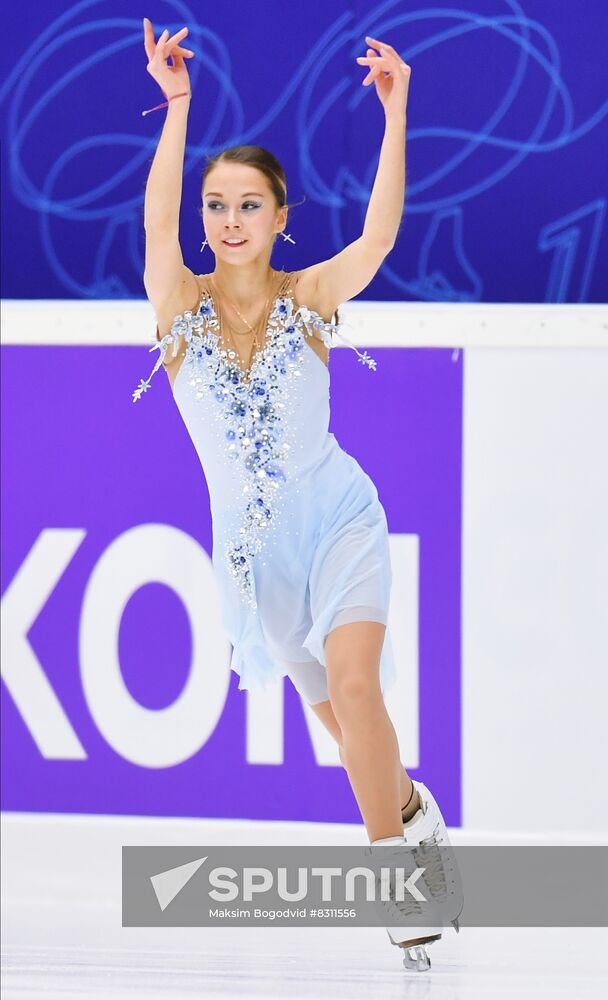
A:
[412, 937]
[426, 831]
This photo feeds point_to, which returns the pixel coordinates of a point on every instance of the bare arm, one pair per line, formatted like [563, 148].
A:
[334, 281]
[385, 209]
[164, 186]
[167, 280]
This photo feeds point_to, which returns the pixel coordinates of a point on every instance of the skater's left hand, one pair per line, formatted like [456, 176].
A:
[390, 74]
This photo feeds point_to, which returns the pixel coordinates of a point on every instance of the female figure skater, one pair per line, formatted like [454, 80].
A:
[300, 539]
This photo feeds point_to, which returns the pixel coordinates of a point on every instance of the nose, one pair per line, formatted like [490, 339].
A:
[231, 219]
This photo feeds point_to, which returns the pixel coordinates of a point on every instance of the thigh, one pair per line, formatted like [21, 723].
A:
[352, 654]
[309, 679]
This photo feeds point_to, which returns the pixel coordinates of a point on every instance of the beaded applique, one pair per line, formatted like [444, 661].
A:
[249, 411]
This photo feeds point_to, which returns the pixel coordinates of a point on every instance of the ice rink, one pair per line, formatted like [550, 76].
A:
[62, 933]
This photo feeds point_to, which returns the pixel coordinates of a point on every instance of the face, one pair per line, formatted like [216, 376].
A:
[238, 203]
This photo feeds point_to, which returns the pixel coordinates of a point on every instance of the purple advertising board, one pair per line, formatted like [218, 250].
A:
[98, 651]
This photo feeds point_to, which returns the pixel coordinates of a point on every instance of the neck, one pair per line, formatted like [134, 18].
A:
[244, 284]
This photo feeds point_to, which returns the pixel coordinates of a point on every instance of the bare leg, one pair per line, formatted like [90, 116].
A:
[370, 749]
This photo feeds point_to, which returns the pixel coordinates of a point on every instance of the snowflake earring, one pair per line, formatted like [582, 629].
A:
[203, 245]
[287, 237]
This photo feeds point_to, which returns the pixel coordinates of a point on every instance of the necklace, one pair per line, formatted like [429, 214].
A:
[251, 329]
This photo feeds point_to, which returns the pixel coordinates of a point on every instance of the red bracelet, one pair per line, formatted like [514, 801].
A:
[186, 93]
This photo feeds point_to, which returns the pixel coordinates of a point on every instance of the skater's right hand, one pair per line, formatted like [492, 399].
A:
[173, 79]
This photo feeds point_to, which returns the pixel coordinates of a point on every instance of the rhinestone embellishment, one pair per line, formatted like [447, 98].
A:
[249, 413]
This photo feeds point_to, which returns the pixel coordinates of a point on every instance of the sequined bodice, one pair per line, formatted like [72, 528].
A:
[260, 435]
[222, 358]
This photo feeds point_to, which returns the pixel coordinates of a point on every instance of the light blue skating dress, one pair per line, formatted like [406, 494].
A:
[300, 538]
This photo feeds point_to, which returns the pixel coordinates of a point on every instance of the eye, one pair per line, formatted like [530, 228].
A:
[212, 204]
[253, 204]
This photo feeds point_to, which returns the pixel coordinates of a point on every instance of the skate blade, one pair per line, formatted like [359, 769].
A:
[416, 958]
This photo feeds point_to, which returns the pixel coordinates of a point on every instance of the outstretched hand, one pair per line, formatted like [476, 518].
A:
[390, 75]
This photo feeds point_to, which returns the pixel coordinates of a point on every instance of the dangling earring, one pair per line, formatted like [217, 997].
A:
[286, 237]
[203, 245]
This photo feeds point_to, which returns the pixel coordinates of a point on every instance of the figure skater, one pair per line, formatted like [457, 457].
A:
[300, 538]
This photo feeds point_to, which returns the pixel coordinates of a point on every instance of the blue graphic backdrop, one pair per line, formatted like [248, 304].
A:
[507, 158]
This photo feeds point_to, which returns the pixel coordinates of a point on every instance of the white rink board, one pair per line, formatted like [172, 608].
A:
[535, 589]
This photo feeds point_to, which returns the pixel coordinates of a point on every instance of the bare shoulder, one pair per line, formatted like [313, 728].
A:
[186, 295]
[306, 293]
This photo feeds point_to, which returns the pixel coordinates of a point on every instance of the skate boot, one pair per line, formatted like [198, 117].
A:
[426, 832]
[414, 937]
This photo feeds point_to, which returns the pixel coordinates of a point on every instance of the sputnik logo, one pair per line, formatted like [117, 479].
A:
[167, 884]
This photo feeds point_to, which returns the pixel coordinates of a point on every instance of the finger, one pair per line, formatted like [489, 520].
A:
[371, 54]
[371, 76]
[166, 41]
[380, 45]
[372, 60]
[390, 53]
[161, 41]
[377, 64]
[182, 53]
[395, 58]
[149, 43]
[380, 64]
[173, 39]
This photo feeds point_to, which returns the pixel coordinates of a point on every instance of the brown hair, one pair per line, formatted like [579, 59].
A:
[262, 159]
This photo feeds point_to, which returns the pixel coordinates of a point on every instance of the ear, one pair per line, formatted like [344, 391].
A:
[282, 217]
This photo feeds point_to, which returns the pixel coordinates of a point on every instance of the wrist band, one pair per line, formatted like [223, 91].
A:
[186, 93]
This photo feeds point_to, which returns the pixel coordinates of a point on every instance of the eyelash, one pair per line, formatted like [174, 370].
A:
[210, 204]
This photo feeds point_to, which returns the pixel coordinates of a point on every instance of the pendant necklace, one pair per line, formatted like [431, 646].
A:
[251, 329]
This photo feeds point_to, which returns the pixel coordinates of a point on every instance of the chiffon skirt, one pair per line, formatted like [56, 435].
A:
[328, 565]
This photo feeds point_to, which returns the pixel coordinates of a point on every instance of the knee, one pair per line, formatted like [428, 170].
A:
[354, 695]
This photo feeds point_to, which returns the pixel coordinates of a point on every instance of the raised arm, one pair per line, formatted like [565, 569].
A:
[342, 277]
[166, 278]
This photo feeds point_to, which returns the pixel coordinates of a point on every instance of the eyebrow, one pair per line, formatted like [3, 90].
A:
[217, 194]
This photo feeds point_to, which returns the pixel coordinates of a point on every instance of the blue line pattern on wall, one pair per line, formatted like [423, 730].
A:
[507, 140]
